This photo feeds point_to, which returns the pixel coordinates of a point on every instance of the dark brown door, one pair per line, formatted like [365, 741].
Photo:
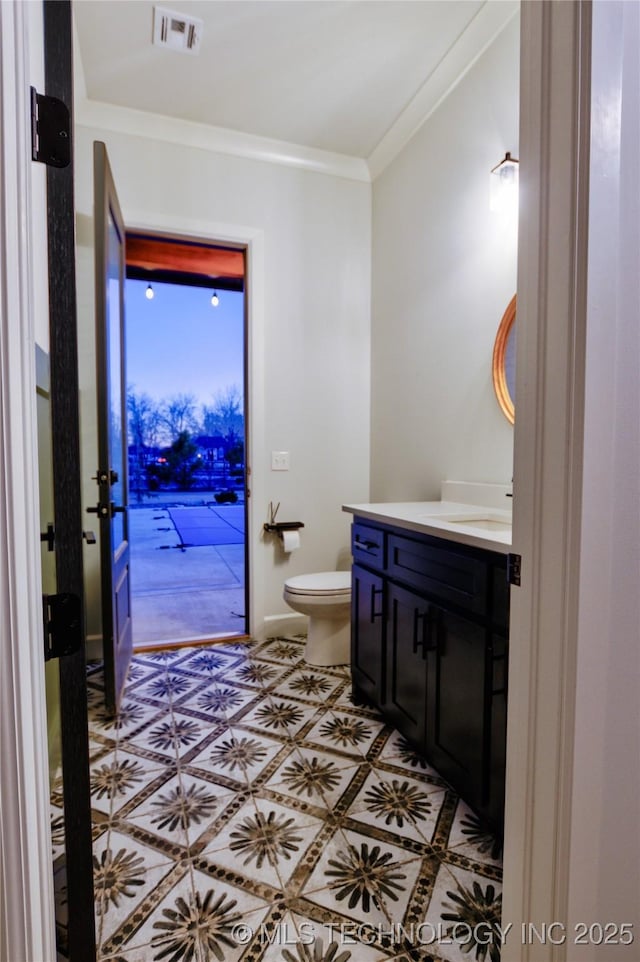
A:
[111, 475]
[59, 455]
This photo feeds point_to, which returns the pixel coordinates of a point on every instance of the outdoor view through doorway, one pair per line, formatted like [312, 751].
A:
[185, 372]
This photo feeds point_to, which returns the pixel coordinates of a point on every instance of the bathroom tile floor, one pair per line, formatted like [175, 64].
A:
[244, 810]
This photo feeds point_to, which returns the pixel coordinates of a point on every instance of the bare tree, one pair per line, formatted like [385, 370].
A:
[179, 415]
[224, 416]
[144, 419]
[144, 422]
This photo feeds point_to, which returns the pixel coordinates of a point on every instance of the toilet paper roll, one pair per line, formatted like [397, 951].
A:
[290, 541]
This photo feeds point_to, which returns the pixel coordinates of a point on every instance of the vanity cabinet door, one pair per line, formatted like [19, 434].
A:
[367, 638]
[497, 753]
[456, 704]
[408, 635]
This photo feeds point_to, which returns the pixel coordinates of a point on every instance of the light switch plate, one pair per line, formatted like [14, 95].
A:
[280, 461]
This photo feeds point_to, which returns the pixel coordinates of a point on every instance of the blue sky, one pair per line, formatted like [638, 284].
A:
[178, 343]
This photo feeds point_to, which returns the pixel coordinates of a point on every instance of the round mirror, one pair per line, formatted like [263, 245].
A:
[504, 361]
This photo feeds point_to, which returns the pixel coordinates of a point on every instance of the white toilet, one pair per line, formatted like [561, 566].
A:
[326, 598]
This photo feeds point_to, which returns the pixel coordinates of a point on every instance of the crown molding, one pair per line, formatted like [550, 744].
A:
[139, 123]
[478, 35]
[488, 23]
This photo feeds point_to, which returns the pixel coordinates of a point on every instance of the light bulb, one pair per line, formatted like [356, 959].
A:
[149, 293]
[215, 300]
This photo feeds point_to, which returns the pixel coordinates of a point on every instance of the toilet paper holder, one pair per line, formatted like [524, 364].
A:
[277, 527]
[283, 526]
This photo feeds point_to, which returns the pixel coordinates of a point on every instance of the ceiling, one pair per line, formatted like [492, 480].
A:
[329, 75]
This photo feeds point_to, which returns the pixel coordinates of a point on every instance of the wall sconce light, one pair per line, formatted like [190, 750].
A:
[503, 191]
[149, 293]
[215, 300]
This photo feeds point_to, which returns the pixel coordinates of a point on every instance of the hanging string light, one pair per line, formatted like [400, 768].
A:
[149, 293]
[215, 300]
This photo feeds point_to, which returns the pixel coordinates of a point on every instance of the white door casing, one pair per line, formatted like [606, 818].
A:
[26, 886]
[548, 454]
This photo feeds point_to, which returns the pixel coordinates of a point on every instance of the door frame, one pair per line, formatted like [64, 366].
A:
[532, 847]
[555, 120]
[27, 929]
[252, 240]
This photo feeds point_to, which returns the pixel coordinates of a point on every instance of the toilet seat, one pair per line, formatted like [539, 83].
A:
[335, 583]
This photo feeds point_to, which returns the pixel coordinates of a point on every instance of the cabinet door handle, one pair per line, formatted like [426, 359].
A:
[375, 614]
[428, 631]
[421, 622]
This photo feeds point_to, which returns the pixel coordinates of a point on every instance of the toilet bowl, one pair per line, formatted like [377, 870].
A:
[326, 599]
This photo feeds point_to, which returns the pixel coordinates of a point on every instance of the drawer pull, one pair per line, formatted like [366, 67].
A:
[367, 546]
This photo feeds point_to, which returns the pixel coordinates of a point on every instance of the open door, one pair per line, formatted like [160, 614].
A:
[111, 474]
[62, 534]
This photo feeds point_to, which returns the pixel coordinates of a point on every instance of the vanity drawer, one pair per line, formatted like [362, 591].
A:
[367, 545]
[443, 574]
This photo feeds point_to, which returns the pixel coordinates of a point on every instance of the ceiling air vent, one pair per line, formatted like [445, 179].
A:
[176, 31]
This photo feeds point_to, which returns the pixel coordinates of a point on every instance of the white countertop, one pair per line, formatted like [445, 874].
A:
[470, 524]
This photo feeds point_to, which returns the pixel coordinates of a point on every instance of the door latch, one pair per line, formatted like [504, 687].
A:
[62, 616]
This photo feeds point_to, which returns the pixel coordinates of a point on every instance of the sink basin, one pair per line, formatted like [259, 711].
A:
[486, 520]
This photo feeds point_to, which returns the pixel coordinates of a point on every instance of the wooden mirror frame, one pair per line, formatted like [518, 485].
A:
[499, 355]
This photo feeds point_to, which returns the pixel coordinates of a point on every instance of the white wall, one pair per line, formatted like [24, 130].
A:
[312, 372]
[444, 270]
[605, 859]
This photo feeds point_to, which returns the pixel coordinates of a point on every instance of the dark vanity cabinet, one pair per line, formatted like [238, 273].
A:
[429, 648]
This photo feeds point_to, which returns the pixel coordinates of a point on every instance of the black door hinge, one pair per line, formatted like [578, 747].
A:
[514, 568]
[50, 130]
[62, 616]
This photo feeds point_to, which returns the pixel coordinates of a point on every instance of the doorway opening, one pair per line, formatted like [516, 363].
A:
[185, 309]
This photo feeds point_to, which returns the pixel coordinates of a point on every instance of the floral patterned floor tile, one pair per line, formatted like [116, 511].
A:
[351, 735]
[218, 701]
[281, 717]
[263, 840]
[397, 866]
[471, 837]
[118, 777]
[165, 813]
[255, 673]
[359, 877]
[400, 805]
[131, 718]
[242, 787]
[346, 701]
[124, 873]
[197, 921]
[398, 751]
[315, 778]
[312, 685]
[208, 662]
[261, 847]
[239, 754]
[287, 650]
[465, 912]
